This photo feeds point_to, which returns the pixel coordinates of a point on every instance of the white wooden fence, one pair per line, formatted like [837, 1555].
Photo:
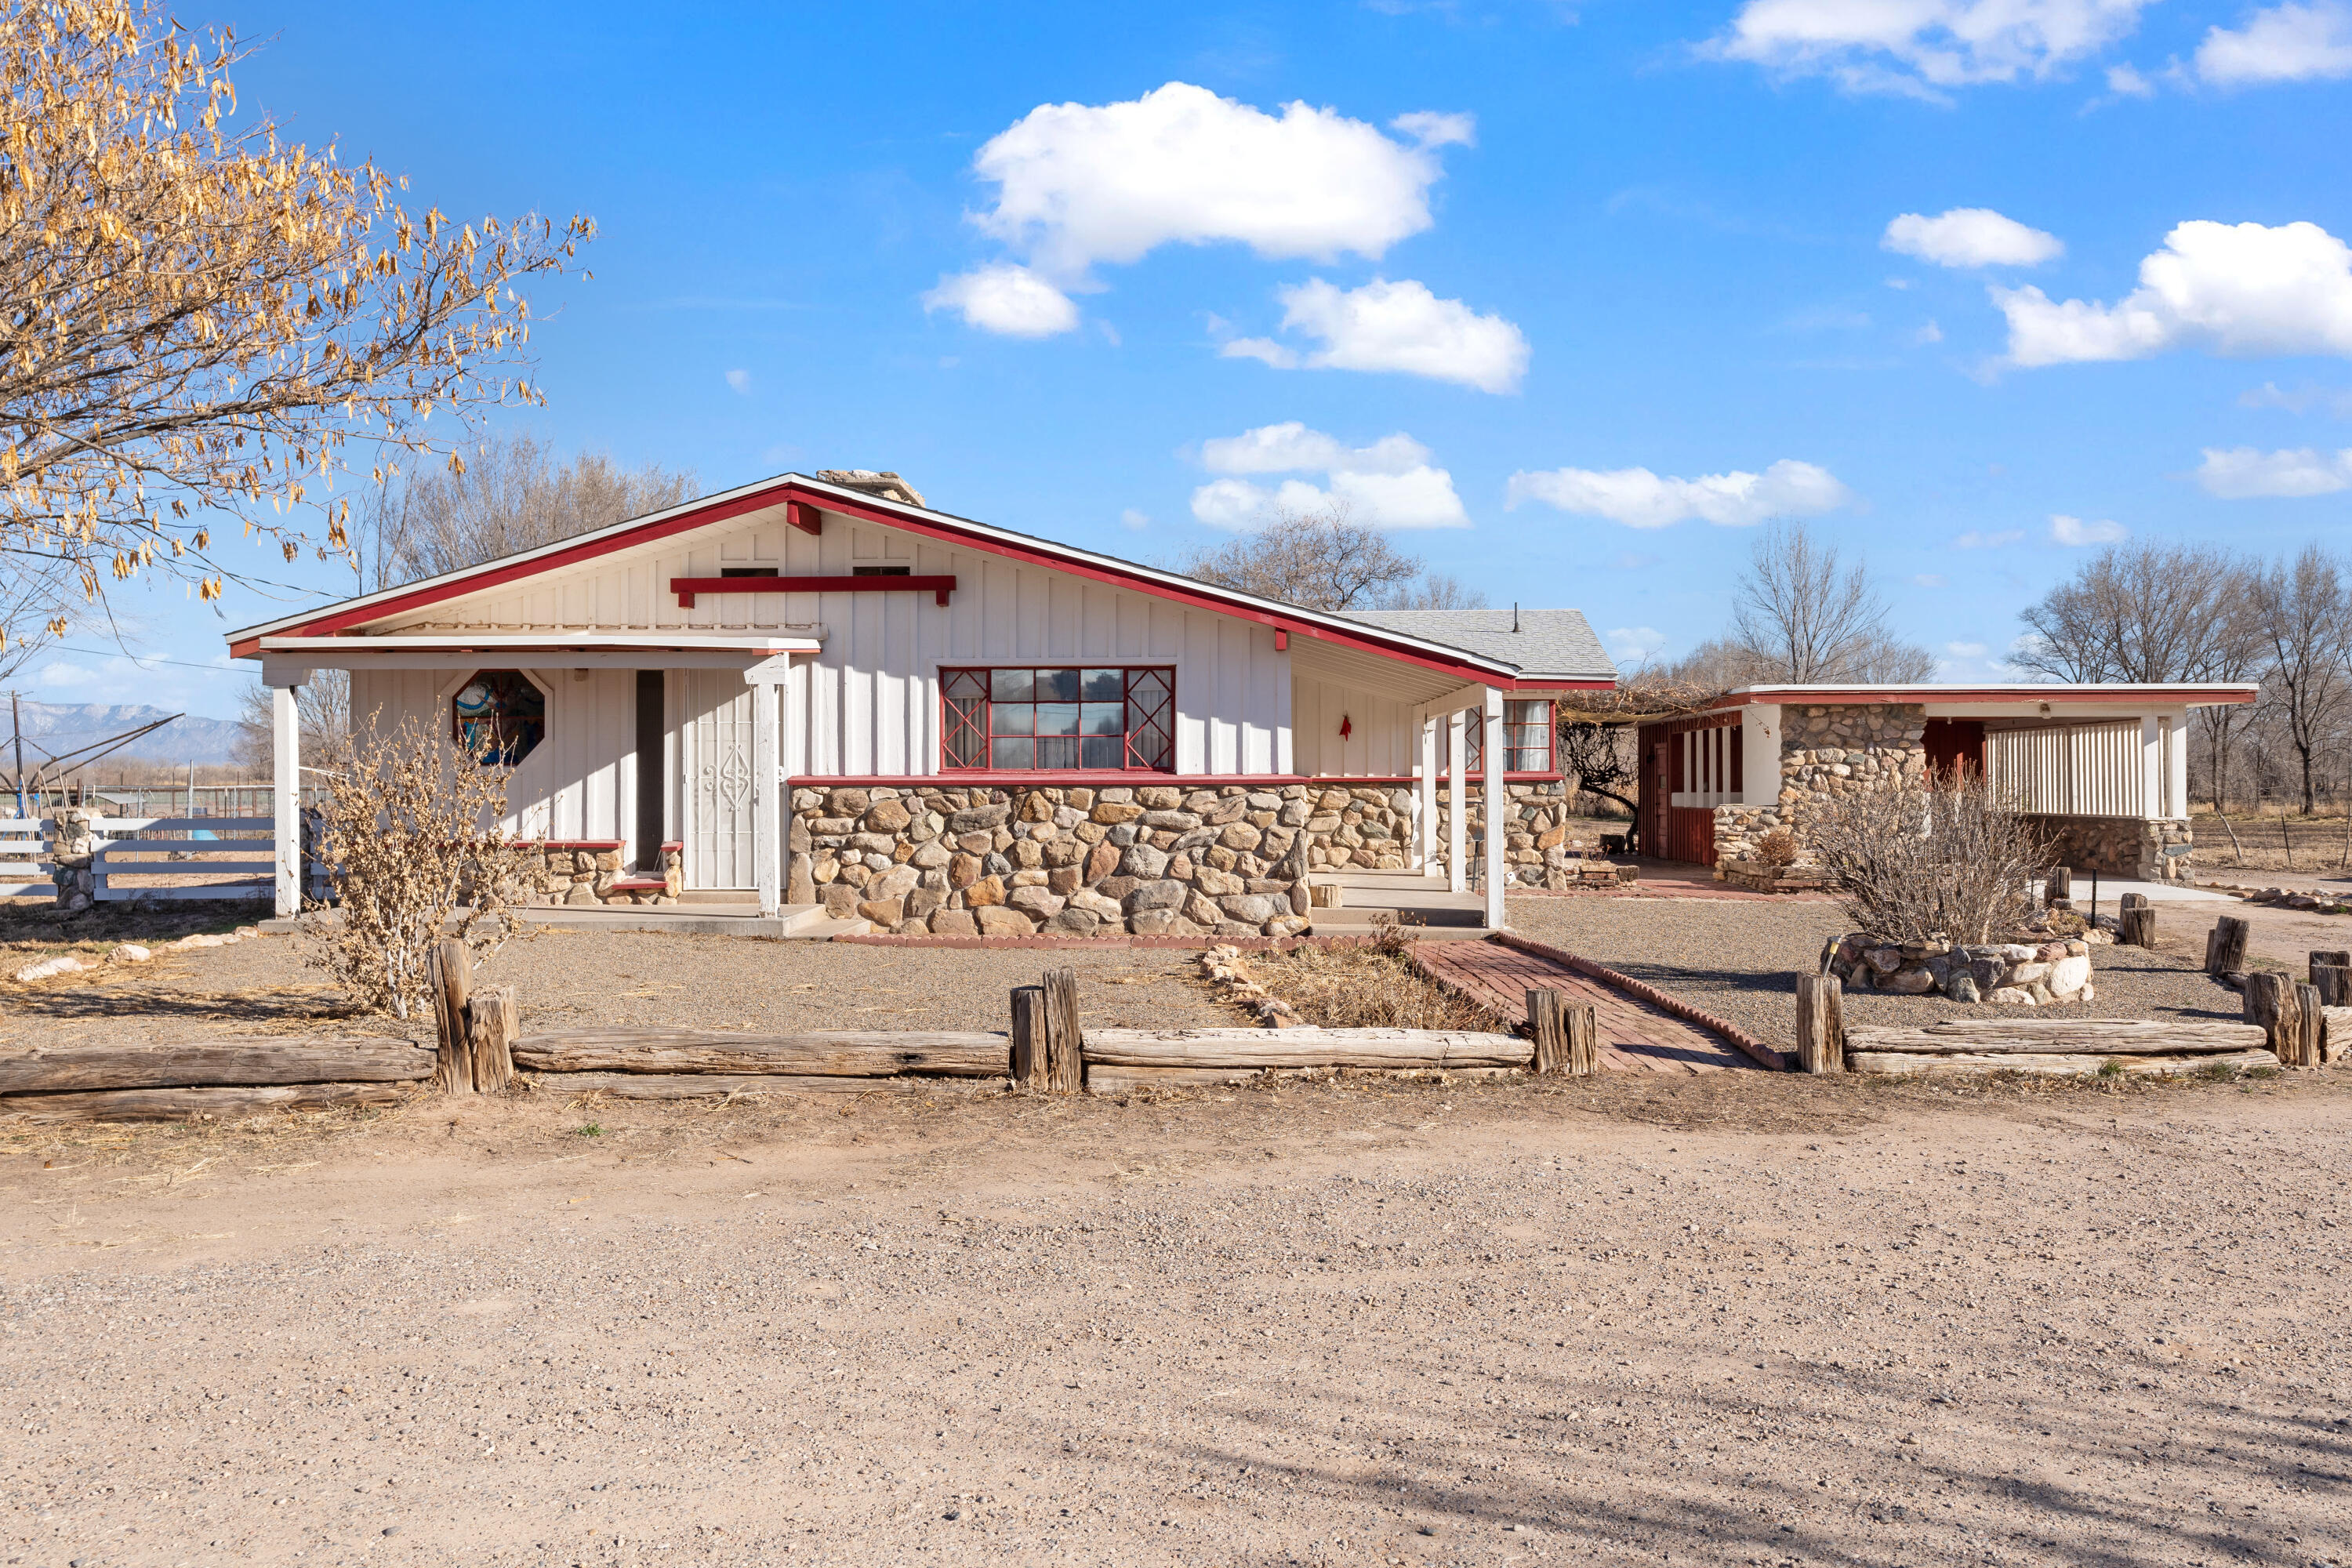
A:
[134, 852]
[24, 859]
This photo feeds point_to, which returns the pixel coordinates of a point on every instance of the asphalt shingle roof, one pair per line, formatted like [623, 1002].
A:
[1548, 645]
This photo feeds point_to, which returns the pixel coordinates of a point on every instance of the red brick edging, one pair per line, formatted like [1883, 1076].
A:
[1246, 943]
[1766, 1054]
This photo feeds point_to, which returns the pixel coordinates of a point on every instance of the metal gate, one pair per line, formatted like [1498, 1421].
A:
[715, 757]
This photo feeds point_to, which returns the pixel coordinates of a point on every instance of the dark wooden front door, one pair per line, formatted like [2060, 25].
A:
[1956, 747]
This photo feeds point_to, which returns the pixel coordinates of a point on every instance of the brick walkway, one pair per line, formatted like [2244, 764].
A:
[1634, 1035]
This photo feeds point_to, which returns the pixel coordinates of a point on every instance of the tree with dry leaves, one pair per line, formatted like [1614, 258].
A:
[1323, 560]
[1804, 615]
[204, 321]
[410, 838]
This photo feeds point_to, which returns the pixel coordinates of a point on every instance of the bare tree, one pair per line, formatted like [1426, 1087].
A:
[515, 493]
[322, 706]
[1599, 758]
[1323, 560]
[2142, 612]
[203, 315]
[1809, 618]
[2302, 608]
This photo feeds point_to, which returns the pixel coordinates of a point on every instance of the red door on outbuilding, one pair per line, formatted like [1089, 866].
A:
[1956, 747]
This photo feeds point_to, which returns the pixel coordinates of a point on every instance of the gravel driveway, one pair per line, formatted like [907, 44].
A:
[1750, 1319]
[1740, 960]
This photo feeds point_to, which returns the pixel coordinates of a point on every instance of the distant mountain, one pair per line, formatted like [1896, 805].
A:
[61, 727]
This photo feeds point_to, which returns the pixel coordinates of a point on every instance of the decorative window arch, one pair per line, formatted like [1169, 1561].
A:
[499, 716]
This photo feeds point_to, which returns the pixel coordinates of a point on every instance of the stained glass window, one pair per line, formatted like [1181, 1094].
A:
[498, 717]
[1109, 720]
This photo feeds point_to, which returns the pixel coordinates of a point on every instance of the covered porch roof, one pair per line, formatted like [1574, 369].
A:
[2015, 699]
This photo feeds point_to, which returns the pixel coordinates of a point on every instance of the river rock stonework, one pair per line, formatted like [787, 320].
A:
[1828, 751]
[2122, 847]
[2024, 973]
[1539, 850]
[1055, 860]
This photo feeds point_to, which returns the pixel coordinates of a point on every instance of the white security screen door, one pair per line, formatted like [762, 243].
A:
[716, 759]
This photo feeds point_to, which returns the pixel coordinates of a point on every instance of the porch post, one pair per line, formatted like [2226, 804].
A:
[1457, 868]
[1496, 808]
[2151, 766]
[2176, 792]
[1425, 789]
[767, 770]
[286, 755]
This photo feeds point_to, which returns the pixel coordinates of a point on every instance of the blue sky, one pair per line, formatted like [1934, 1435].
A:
[1636, 255]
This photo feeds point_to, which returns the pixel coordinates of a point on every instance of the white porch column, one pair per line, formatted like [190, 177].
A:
[767, 784]
[1426, 795]
[2151, 766]
[286, 755]
[2175, 795]
[1457, 826]
[1496, 803]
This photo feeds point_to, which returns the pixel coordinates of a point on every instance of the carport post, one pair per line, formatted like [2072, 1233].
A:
[1497, 805]
[286, 757]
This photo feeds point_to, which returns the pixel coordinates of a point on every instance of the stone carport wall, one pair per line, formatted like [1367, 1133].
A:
[2156, 851]
[1827, 752]
[1067, 860]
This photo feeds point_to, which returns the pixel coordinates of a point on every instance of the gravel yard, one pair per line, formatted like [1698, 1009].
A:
[1738, 958]
[1743, 1318]
[574, 978]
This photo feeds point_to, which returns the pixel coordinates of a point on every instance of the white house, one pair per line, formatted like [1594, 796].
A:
[814, 692]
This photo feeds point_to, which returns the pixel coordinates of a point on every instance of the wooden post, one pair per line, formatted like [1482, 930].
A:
[2137, 925]
[490, 1031]
[1582, 1028]
[2227, 951]
[2310, 1028]
[1550, 1034]
[2132, 901]
[2061, 884]
[2332, 981]
[450, 969]
[2271, 1002]
[1064, 1065]
[2323, 956]
[1029, 1038]
[1820, 1023]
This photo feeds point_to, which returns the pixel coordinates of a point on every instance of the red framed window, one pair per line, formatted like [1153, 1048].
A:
[1527, 737]
[1059, 718]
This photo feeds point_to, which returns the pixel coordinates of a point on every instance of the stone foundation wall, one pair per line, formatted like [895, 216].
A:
[2121, 846]
[2035, 974]
[589, 873]
[1537, 851]
[1827, 751]
[1152, 859]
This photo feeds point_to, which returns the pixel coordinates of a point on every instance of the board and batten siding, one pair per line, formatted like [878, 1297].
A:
[578, 782]
[1383, 740]
[2102, 769]
[867, 705]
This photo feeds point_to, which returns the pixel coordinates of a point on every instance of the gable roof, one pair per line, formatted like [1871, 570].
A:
[1393, 642]
[1554, 645]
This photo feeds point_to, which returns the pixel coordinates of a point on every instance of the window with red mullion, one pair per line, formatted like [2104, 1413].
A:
[1058, 719]
[1527, 737]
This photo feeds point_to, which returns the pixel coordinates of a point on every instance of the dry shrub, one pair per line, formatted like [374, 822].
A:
[1947, 859]
[410, 836]
[1370, 987]
[1777, 847]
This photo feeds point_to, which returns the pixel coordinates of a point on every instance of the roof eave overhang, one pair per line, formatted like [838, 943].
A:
[947, 529]
[2189, 694]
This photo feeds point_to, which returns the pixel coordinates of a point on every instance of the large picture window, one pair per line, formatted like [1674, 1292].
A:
[1527, 738]
[1110, 719]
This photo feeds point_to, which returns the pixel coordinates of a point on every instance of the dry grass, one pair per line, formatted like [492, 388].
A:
[1366, 988]
[2263, 842]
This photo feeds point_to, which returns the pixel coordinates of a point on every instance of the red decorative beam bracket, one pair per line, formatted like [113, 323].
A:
[686, 588]
[805, 516]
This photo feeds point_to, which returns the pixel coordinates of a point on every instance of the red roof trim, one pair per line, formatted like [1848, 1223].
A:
[2215, 696]
[793, 490]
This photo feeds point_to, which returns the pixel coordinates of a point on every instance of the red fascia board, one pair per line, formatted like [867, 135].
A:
[2202, 696]
[1108, 779]
[939, 586]
[759, 500]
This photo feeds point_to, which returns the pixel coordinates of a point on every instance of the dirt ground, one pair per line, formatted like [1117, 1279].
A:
[1740, 1319]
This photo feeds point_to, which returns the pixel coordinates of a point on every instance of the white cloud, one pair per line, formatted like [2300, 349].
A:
[1928, 579]
[1965, 649]
[2298, 400]
[1005, 299]
[1923, 47]
[1386, 326]
[65, 676]
[1132, 518]
[1389, 484]
[1970, 236]
[1431, 129]
[2237, 289]
[2240, 473]
[2126, 81]
[2064, 530]
[1640, 498]
[1930, 333]
[1972, 540]
[1631, 644]
[2284, 43]
[1081, 184]
[740, 380]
